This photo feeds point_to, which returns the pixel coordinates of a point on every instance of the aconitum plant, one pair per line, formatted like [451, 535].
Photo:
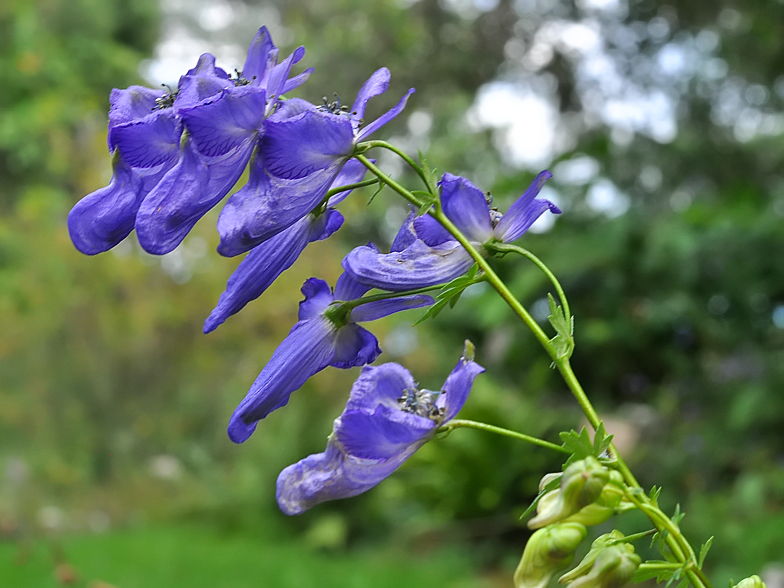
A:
[178, 154]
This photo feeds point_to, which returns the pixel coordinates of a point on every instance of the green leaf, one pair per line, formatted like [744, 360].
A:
[580, 445]
[601, 440]
[661, 575]
[677, 517]
[563, 342]
[450, 293]
[654, 495]
[381, 184]
[704, 551]
[676, 575]
[551, 485]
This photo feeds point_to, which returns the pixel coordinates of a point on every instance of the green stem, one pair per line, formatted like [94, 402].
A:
[674, 537]
[460, 423]
[635, 536]
[347, 187]
[388, 181]
[389, 295]
[362, 147]
[507, 248]
[660, 566]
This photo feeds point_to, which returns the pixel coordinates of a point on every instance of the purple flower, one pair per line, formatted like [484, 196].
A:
[326, 334]
[387, 418]
[301, 151]
[164, 180]
[222, 132]
[267, 261]
[144, 139]
[429, 255]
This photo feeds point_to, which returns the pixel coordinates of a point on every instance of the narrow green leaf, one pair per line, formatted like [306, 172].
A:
[704, 551]
[381, 184]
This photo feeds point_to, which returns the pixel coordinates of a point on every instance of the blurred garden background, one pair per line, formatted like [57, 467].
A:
[663, 124]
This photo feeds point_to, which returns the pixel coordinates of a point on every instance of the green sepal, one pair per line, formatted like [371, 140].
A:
[552, 484]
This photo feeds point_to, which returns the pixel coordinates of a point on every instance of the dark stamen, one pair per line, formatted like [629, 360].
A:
[421, 403]
[167, 100]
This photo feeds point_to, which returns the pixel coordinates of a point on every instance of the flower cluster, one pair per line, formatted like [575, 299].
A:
[178, 154]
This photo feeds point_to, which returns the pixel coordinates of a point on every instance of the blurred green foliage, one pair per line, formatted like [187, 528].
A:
[113, 406]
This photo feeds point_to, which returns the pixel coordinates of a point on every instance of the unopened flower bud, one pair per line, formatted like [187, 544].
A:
[547, 478]
[613, 567]
[604, 507]
[598, 545]
[581, 484]
[548, 550]
[751, 582]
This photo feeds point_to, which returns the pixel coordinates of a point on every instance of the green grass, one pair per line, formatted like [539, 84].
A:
[194, 556]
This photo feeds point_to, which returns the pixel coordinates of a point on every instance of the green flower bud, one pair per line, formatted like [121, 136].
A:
[613, 567]
[751, 582]
[604, 507]
[581, 484]
[599, 544]
[547, 478]
[548, 550]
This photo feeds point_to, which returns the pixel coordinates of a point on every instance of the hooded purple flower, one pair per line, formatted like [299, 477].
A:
[301, 151]
[387, 418]
[164, 180]
[267, 261]
[222, 131]
[427, 254]
[326, 334]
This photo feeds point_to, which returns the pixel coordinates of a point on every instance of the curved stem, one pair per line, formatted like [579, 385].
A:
[403, 155]
[389, 295]
[460, 423]
[388, 181]
[674, 539]
[507, 248]
[347, 187]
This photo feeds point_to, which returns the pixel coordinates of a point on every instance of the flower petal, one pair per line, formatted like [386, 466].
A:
[226, 121]
[383, 434]
[376, 84]
[131, 104]
[417, 266]
[465, 205]
[325, 225]
[297, 147]
[318, 296]
[280, 73]
[430, 231]
[308, 349]
[380, 385]
[296, 81]
[354, 347]
[201, 82]
[148, 142]
[185, 194]
[265, 206]
[258, 55]
[100, 220]
[325, 476]
[258, 270]
[455, 390]
[347, 288]
[384, 118]
[352, 173]
[522, 214]
[372, 311]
